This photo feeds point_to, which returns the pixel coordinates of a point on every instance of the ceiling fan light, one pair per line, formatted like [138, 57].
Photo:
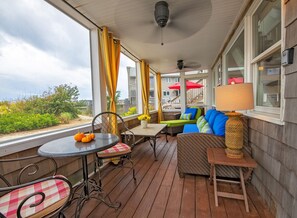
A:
[180, 64]
[161, 13]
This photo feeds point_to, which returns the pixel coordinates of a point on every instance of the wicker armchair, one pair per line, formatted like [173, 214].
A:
[37, 197]
[192, 155]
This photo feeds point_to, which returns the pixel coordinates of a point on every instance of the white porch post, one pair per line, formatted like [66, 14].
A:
[139, 92]
[183, 96]
[98, 86]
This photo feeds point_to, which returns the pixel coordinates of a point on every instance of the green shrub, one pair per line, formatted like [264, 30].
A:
[15, 122]
[65, 117]
[131, 111]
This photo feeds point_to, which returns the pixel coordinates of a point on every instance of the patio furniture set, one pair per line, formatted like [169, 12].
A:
[197, 153]
[50, 195]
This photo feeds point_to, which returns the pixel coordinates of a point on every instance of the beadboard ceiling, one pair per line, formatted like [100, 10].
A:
[195, 32]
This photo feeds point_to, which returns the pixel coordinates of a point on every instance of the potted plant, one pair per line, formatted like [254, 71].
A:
[144, 118]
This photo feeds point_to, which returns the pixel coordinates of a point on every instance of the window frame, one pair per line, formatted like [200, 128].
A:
[233, 40]
[240, 31]
[31, 138]
[138, 91]
[270, 113]
[155, 90]
[216, 74]
[274, 115]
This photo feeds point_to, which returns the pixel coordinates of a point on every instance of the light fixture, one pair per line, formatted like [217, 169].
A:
[161, 16]
[233, 98]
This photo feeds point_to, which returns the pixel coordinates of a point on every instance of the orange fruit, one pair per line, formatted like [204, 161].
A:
[87, 138]
[78, 136]
[92, 135]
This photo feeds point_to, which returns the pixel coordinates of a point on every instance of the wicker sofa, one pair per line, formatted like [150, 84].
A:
[176, 126]
[192, 157]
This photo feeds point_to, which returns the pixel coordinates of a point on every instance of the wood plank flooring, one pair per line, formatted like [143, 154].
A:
[159, 192]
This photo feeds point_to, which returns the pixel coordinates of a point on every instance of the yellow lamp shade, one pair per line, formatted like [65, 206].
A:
[235, 97]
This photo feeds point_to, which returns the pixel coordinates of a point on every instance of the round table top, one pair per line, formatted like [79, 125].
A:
[68, 147]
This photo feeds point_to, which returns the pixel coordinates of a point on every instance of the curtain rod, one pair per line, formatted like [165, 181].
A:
[101, 29]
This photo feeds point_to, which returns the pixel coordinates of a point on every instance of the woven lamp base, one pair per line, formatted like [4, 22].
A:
[234, 135]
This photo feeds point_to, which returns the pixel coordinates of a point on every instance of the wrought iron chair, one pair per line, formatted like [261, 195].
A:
[109, 122]
[32, 196]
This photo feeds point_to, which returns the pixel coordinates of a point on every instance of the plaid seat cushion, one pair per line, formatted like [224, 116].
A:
[118, 149]
[54, 190]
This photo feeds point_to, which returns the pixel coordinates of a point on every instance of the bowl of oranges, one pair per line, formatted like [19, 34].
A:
[82, 137]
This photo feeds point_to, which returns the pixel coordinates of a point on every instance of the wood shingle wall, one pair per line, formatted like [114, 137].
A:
[275, 146]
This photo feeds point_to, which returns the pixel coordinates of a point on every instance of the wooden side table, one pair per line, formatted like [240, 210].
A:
[217, 156]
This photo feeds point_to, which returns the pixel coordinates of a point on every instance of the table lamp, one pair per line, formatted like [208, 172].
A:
[231, 98]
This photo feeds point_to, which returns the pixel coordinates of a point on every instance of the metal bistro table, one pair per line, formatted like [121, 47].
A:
[68, 147]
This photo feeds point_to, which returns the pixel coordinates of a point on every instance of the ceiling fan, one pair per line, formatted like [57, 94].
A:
[144, 20]
[181, 67]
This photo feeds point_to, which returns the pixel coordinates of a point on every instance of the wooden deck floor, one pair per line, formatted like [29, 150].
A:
[159, 192]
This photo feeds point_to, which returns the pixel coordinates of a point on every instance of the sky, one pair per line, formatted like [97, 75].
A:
[40, 47]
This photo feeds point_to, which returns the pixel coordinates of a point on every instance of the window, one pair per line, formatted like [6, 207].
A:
[126, 96]
[152, 92]
[166, 93]
[267, 56]
[267, 25]
[268, 81]
[53, 79]
[195, 92]
[216, 78]
[235, 61]
[170, 97]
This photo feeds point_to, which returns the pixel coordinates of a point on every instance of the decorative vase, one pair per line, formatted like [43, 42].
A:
[234, 135]
[143, 124]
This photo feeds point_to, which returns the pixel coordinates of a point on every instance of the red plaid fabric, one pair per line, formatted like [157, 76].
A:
[54, 190]
[117, 149]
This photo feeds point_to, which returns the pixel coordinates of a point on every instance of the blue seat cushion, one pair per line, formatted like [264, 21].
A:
[191, 111]
[189, 128]
[212, 118]
[219, 124]
[208, 113]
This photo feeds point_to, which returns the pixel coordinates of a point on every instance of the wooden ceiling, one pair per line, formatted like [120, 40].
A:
[196, 30]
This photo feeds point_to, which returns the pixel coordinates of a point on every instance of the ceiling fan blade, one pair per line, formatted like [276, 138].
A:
[184, 10]
[193, 66]
[154, 34]
[176, 70]
[179, 28]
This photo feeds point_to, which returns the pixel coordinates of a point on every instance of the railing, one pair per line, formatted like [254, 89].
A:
[194, 96]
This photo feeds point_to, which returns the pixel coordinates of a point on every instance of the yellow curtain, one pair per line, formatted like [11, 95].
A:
[145, 81]
[110, 56]
[159, 93]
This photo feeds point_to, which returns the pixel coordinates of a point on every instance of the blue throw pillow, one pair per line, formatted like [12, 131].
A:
[185, 116]
[206, 129]
[192, 111]
[199, 112]
[208, 113]
[219, 124]
[212, 118]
